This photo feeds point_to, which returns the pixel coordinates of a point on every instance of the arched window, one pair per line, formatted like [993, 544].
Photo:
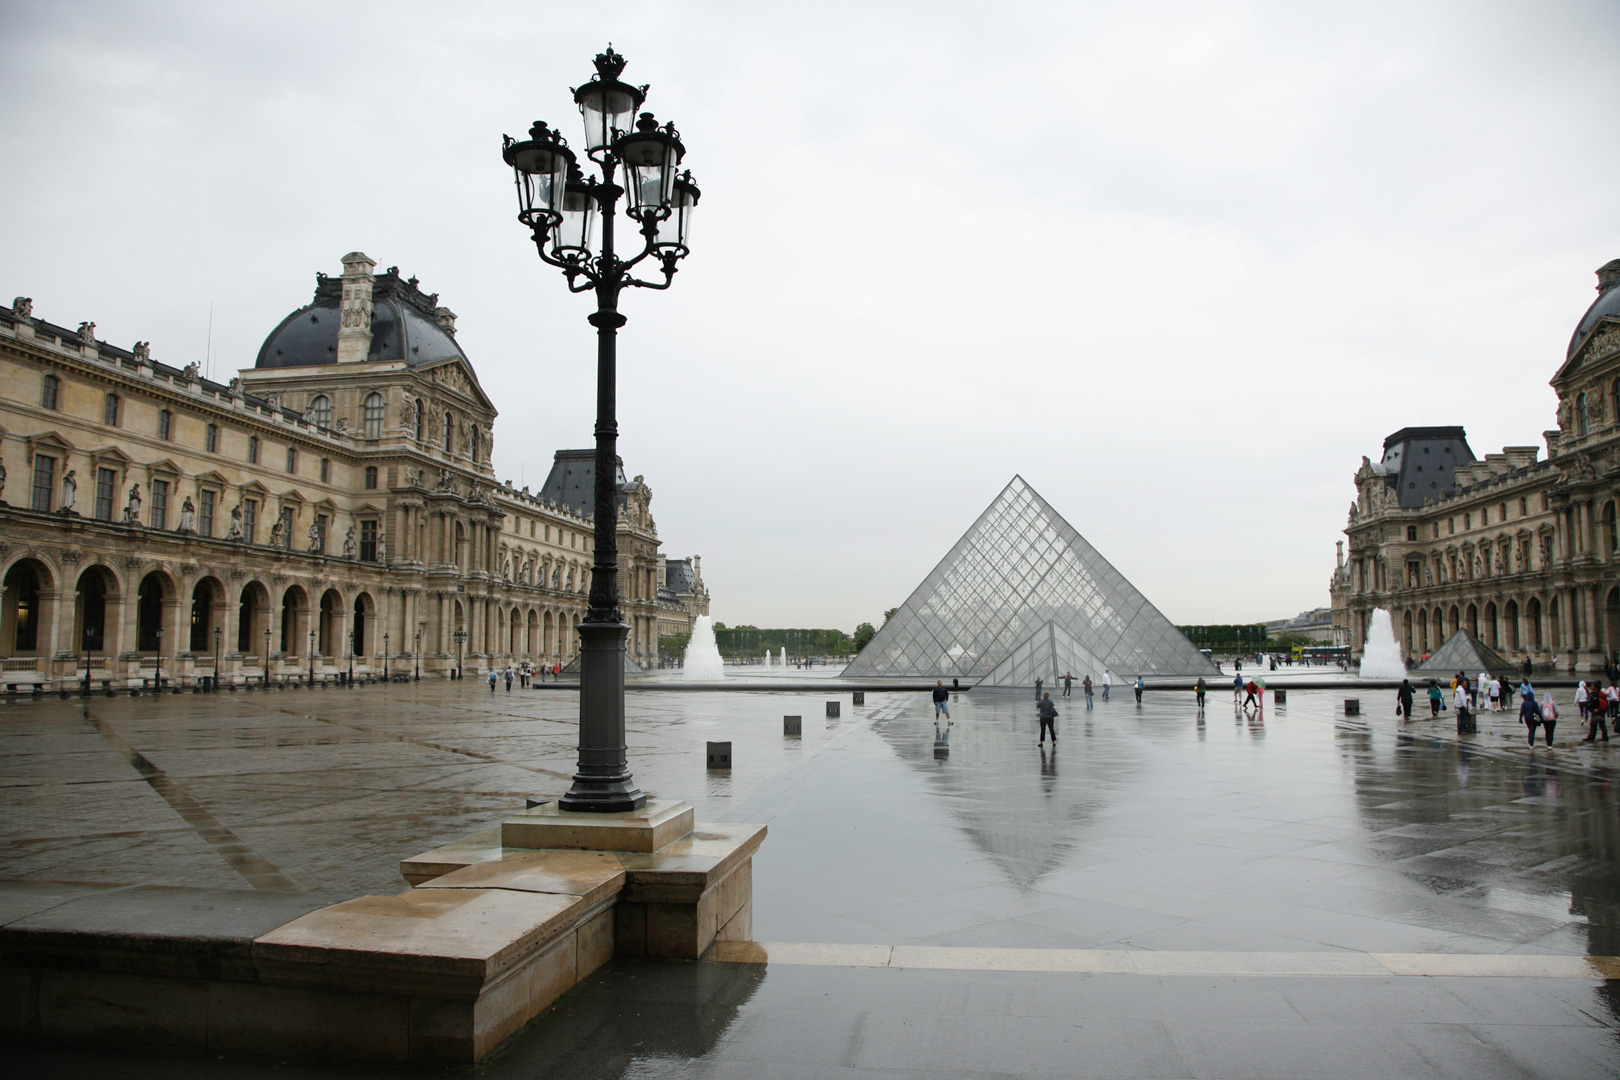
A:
[449, 432]
[1583, 419]
[320, 411]
[416, 422]
[372, 418]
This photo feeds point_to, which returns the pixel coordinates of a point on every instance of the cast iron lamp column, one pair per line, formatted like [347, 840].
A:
[559, 205]
[218, 635]
[312, 658]
[461, 640]
[418, 655]
[385, 658]
[350, 682]
[267, 657]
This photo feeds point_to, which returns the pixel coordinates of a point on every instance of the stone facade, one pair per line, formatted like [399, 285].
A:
[1521, 551]
[154, 521]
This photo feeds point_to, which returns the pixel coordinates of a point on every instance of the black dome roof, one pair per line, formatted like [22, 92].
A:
[1607, 305]
[403, 327]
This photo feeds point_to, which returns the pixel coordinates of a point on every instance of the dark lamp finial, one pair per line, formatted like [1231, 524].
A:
[539, 131]
[609, 64]
[646, 122]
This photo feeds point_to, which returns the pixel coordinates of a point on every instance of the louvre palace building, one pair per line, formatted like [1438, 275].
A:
[332, 506]
[1521, 551]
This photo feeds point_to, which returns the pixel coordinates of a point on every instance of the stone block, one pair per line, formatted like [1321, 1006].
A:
[593, 876]
[792, 726]
[478, 848]
[648, 829]
[593, 943]
[719, 755]
[96, 1006]
[308, 1021]
[832, 709]
[1352, 706]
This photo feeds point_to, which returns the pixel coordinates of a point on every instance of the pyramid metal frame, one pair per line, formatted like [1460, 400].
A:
[1464, 652]
[1020, 590]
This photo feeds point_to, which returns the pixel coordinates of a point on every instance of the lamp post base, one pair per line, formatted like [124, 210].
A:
[603, 783]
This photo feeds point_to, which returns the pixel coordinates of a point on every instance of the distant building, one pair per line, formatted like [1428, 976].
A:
[336, 498]
[1522, 552]
[1313, 625]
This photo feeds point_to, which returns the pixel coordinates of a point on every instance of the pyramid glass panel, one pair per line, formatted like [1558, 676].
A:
[1023, 594]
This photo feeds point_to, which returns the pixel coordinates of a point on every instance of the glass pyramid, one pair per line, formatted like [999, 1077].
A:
[1464, 652]
[1020, 596]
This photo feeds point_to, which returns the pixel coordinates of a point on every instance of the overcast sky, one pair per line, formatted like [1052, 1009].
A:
[1179, 265]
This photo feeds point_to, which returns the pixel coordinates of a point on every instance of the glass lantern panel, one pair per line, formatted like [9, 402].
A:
[578, 226]
[607, 110]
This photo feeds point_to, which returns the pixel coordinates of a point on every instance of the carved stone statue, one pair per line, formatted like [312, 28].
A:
[348, 543]
[132, 509]
[23, 307]
[70, 491]
[382, 548]
[143, 352]
[192, 370]
[3, 471]
[314, 537]
[235, 531]
[276, 529]
[87, 333]
[235, 385]
[188, 516]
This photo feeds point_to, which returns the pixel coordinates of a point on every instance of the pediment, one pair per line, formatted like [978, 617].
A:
[110, 454]
[327, 505]
[213, 479]
[1602, 340]
[48, 441]
[292, 495]
[253, 487]
[367, 508]
[457, 376]
[166, 465]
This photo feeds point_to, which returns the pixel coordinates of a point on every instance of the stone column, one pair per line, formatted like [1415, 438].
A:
[354, 321]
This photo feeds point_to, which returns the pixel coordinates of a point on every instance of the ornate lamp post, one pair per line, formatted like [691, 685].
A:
[219, 636]
[350, 682]
[158, 671]
[385, 656]
[560, 206]
[267, 658]
[312, 658]
[418, 676]
[461, 640]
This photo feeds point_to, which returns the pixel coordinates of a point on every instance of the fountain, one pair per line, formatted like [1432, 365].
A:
[703, 663]
[1380, 655]
[784, 658]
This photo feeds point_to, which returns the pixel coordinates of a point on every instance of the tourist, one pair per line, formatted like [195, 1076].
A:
[1435, 700]
[1581, 700]
[1199, 689]
[1141, 685]
[1403, 699]
[1085, 685]
[508, 678]
[1037, 688]
[1597, 721]
[1237, 688]
[1496, 695]
[1067, 681]
[1252, 689]
[1108, 680]
[1529, 715]
[942, 701]
[1460, 702]
[1048, 713]
[1549, 719]
[493, 679]
[1482, 689]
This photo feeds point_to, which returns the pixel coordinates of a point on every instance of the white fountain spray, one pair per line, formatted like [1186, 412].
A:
[1380, 655]
[703, 663]
[784, 658]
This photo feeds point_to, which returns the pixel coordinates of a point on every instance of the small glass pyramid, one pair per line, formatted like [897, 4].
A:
[1464, 652]
[1023, 596]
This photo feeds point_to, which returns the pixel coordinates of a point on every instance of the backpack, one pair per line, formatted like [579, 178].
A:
[1549, 710]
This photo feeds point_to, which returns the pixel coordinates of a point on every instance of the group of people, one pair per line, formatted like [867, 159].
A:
[1598, 705]
[523, 674]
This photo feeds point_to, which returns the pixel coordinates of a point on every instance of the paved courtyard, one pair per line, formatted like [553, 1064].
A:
[1298, 894]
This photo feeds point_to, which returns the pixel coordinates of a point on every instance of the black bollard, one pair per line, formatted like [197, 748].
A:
[1352, 706]
[720, 755]
[859, 697]
[792, 726]
[832, 709]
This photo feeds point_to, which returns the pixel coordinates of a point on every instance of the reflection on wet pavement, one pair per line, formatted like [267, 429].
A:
[1150, 828]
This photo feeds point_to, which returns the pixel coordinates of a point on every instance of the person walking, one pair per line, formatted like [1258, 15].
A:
[1085, 686]
[942, 701]
[1403, 699]
[1460, 701]
[1581, 698]
[1068, 680]
[1199, 689]
[1037, 688]
[1237, 687]
[508, 678]
[1482, 690]
[1434, 699]
[1529, 712]
[1549, 718]
[1048, 713]
[1597, 717]
[492, 680]
[1496, 695]
[1141, 685]
[1108, 680]
[1251, 689]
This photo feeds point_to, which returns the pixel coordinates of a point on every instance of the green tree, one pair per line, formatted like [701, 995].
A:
[887, 615]
[863, 634]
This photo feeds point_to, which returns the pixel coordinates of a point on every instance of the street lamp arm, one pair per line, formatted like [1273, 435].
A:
[669, 276]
